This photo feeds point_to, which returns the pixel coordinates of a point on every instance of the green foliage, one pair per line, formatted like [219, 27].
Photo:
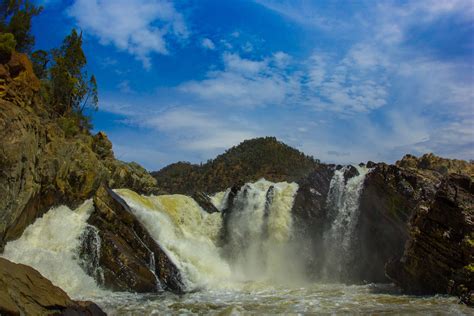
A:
[40, 60]
[15, 18]
[249, 161]
[72, 90]
[7, 46]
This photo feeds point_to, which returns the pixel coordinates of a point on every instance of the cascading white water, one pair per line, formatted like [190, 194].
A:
[220, 199]
[259, 228]
[186, 233]
[51, 246]
[190, 236]
[343, 208]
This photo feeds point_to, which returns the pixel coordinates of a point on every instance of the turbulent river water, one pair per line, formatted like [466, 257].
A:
[255, 270]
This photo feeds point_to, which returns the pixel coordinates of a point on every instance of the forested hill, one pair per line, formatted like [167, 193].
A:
[249, 161]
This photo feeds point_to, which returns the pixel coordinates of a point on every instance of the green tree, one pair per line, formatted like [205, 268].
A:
[72, 90]
[40, 60]
[7, 46]
[15, 18]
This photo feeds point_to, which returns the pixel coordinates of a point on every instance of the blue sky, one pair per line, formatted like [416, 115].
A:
[344, 81]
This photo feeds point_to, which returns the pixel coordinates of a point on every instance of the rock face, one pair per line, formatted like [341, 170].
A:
[309, 213]
[439, 256]
[24, 291]
[387, 201]
[39, 166]
[129, 257]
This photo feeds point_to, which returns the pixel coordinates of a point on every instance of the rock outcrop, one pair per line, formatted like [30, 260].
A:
[387, 201]
[24, 291]
[310, 214]
[439, 256]
[39, 166]
[129, 258]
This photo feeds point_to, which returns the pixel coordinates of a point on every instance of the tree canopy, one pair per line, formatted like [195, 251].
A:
[72, 89]
[15, 18]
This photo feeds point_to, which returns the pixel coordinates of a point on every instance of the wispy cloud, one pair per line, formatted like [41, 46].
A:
[141, 27]
[208, 44]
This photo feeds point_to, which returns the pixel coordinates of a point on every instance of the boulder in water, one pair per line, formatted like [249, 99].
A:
[129, 257]
[24, 291]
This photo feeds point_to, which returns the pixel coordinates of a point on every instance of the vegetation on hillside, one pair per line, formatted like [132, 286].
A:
[249, 161]
[66, 86]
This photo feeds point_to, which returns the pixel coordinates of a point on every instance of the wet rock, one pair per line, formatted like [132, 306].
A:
[439, 256]
[370, 164]
[24, 291]
[129, 257]
[204, 202]
[385, 206]
[350, 172]
[309, 213]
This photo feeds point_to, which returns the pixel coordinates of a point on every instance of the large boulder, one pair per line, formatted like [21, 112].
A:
[129, 257]
[24, 291]
[439, 256]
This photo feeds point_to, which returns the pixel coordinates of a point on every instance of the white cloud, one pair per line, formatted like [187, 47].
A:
[208, 44]
[140, 27]
[243, 82]
[199, 131]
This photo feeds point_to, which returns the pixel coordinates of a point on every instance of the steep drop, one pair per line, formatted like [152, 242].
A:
[342, 214]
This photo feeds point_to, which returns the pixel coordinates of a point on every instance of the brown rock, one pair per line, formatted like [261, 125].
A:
[24, 291]
[129, 257]
[439, 256]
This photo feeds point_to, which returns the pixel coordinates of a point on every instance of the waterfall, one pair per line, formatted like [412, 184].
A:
[51, 245]
[343, 212]
[66, 250]
[257, 246]
[259, 229]
[187, 234]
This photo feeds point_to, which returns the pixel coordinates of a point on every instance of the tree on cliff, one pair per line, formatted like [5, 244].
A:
[72, 90]
[15, 18]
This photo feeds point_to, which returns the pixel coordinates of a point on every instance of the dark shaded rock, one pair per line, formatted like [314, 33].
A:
[370, 164]
[309, 213]
[350, 172]
[129, 257]
[439, 256]
[24, 291]
[204, 202]
[385, 206]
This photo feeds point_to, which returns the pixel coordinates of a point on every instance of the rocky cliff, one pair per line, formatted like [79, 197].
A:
[39, 166]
